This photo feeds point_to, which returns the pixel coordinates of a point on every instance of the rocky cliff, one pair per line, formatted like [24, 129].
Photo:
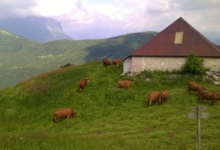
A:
[39, 29]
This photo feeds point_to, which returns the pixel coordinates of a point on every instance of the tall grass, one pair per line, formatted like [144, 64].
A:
[106, 117]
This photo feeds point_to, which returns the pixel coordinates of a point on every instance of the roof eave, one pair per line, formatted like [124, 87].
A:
[168, 56]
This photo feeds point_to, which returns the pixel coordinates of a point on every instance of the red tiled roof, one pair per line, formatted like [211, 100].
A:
[163, 43]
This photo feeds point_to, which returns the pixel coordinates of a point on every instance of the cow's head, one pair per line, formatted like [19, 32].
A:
[87, 79]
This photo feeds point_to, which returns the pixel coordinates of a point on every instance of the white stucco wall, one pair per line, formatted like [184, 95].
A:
[127, 64]
[138, 64]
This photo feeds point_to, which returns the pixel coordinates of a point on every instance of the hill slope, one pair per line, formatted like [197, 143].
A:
[39, 29]
[107, 117]
[23, 58]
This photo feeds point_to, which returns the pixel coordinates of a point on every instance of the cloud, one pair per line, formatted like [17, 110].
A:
[197, 4]
[102, 20]
[201, 14]
[141, 15]
[17, 8]
[158, 6]
[113, 17]
[57, 7]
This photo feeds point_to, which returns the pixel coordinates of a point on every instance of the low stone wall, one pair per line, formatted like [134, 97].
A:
[212, 75]
[209, 76]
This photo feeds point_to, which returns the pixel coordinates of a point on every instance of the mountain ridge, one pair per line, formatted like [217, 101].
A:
[39, 29]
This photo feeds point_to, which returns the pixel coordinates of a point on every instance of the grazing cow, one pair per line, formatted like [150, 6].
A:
[63, 113]
[193, 86]
[207, 95]
[82, 84]
[106, 62]
[116, 62]
[124, 84]
[163, 97]
[153, 96]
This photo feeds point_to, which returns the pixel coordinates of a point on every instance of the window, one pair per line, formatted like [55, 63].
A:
[178, 38]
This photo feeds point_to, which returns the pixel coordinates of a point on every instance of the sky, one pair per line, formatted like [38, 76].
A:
[96, 19]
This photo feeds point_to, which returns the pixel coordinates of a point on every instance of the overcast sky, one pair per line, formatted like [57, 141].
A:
[95, 19]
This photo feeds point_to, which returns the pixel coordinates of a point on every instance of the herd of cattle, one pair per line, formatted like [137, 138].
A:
[202, 93]
[158, 97]
[115, 62]
[154, 96]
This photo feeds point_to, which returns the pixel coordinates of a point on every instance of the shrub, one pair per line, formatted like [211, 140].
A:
[67, 65]
[147, 73]
[193, 65]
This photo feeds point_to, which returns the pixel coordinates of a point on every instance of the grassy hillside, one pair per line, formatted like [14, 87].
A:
[21, 58]
[107, 117]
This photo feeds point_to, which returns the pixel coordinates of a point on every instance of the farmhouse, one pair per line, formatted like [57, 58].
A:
[169, 48]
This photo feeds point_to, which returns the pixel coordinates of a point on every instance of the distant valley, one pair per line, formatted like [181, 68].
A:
[22, 58]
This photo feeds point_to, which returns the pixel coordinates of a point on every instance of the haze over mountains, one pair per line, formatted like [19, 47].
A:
[43, 29]
[39, 29]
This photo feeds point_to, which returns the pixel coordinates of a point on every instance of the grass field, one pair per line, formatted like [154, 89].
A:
[106, 117]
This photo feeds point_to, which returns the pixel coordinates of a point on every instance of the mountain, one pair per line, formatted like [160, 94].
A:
[35, 28]
[22, 58]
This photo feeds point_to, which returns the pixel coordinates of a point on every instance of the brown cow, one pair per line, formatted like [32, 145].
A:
[116, 62]
[153, 96]
[163, 97]
[63, 113]
[193, 86]
[124, 84]
[207, 95]
[106, 62]
[82, 84]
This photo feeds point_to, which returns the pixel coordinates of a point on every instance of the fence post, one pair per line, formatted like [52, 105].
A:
[198, 130]
[198, 115]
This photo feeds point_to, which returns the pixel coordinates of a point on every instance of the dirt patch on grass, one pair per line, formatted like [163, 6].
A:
[149, 129]
[171, 136]
[95, 133]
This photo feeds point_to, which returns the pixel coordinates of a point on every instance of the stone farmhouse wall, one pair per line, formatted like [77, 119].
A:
[138, 64]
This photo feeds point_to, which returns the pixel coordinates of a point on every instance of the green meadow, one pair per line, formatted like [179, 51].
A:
[107, 118]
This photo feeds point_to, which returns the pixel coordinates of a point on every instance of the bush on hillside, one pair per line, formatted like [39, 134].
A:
[193, 65]
[67, 65]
